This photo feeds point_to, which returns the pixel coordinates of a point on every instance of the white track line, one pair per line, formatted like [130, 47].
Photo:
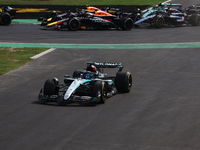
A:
[52, 49]
[43, 53]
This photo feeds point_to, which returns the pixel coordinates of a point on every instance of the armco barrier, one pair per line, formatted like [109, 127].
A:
[34, 11]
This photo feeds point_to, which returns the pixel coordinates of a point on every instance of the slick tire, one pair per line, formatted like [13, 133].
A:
[195, 20]
[74, 24]
[123, 82]
[160, 21]
[51, 87]
[76, 74]
[50, 15]
[99, 91]
[5, 19]
[126, 23]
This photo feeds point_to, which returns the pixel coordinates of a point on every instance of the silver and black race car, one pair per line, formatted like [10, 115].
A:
[7, 15]
[90, 85]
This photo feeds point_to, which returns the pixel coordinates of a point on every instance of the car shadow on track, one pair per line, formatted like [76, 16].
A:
[66, 30]
[50, 103]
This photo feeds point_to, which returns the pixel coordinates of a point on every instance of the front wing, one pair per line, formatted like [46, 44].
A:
[72, 98]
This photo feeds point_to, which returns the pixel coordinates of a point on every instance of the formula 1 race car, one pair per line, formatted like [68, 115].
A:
[106, 11]
[134, 15]
[7, 15]
[191, 10]
[82, 19]
[162, 7]
[175, 17]
[90, 21]
[91, 85]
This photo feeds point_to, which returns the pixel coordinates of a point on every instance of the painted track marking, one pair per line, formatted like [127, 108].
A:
[43, 53]
[105, 46]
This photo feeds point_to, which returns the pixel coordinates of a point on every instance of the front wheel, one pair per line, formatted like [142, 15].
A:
[77, 74]
[51, 87]
[99, 91]
[51, 14]
[74, 24]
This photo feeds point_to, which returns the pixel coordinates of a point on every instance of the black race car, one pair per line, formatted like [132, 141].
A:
[7, 15]
[82, 19]
[91, 85]
[191, 10]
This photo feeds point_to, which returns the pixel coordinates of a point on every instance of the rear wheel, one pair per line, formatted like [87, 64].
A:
[126, 24]
[50, 15]
[160, 21]
[195, 20]
[74, 24]
[5, 19]
[99, 91]
[123, 82]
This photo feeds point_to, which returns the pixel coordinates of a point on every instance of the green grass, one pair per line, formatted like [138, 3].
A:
[80, 2]
[13, 58]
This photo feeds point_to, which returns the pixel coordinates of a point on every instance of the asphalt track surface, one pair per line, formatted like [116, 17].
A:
[160, 113]
[35, 34]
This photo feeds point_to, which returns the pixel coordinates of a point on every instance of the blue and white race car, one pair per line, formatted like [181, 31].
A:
[165, 16]
[90, 85]
[175, 18]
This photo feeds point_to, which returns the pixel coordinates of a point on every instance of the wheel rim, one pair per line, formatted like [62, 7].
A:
[160, 22]
[5, 19]
[74, 24]
[129, 24]
[198, 21]
[103, 93]
[129, 82]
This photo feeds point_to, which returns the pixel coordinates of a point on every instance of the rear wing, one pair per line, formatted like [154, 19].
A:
[169, 4]
[99, 65]
[173, 4]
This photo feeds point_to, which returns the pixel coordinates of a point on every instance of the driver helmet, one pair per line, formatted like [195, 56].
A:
[88, 75]
[91, 68]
